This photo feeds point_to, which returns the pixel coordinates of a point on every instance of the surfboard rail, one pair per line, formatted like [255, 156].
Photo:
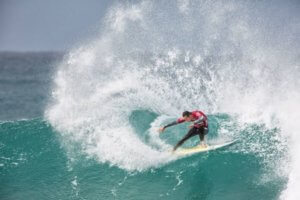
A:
[200, 149]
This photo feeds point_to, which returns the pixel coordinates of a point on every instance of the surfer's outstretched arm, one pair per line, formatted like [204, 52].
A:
[166, 126]
[171, 124]
[178, 121]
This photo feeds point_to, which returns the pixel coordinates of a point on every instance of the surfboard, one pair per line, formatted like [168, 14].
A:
[200, 149]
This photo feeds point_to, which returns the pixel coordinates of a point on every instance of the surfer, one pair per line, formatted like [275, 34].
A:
[199, 126]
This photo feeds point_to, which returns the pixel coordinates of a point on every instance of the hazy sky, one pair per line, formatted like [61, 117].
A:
[41, 25]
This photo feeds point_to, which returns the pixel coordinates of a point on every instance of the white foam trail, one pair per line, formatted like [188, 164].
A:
[95, 113]
[290, 127]
[168, 57]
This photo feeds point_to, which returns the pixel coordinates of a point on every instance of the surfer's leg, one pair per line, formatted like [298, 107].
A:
[192, 132]
[202, 132]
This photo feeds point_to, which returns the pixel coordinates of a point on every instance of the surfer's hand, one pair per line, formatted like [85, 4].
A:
[162, 129]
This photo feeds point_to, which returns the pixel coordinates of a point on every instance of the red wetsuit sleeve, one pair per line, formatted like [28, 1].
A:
[180, 120]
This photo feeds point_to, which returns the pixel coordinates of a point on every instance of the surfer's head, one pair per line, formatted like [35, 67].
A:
[187, 116]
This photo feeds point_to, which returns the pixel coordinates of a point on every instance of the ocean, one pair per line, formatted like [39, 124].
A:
[83, 124]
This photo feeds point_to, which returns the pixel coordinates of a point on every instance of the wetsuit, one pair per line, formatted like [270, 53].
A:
[200, 127]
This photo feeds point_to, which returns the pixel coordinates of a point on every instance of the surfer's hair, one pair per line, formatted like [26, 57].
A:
[186, 114]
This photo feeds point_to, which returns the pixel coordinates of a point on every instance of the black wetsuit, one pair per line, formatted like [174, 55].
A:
[192, 132]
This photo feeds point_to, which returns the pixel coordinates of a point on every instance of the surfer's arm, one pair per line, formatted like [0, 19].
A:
[178, 121]
[171, 124]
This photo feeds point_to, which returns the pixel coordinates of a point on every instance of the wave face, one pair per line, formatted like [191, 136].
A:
[237, 61]
[35, 165]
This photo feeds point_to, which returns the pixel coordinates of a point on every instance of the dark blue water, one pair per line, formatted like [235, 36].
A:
[25, 83]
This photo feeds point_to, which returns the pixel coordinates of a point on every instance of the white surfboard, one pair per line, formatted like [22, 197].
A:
[199, 149]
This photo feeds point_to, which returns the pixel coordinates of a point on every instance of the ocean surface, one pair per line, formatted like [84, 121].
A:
[83, 124]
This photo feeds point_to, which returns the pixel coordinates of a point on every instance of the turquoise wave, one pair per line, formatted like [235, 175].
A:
[35, 164]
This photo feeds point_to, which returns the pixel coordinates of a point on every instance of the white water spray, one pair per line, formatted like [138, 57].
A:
[166, 57]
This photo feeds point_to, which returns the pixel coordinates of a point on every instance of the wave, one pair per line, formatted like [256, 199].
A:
[166, 57]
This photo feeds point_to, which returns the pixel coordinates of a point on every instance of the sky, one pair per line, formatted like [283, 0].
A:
[48, 25]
